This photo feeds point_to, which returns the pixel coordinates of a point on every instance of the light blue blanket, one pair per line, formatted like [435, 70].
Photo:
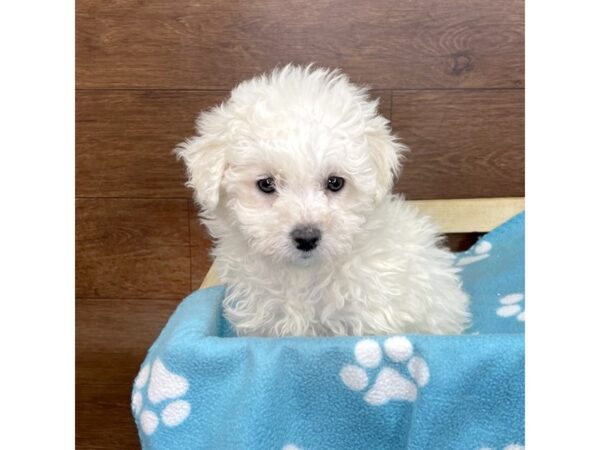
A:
[202, 388]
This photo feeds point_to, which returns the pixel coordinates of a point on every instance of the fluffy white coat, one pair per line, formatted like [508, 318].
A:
[379, 266]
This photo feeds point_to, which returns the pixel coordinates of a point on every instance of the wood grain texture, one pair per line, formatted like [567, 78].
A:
[103, 418]
[463, 143]
[125, 141]
[130, 248]
[210, 44]
[385, 102]
[113, 336]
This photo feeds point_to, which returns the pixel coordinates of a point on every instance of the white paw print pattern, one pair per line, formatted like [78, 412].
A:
[389, 384]
[512, 306]
[163, 385]
[508, 447]
[480, 252]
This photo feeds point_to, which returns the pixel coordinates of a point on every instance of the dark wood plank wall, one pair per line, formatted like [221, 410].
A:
[449, 75]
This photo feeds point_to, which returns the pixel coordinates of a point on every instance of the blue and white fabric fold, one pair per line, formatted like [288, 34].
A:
[201, 387]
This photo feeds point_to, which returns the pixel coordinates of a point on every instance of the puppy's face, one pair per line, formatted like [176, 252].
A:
[294, 162]
[301, 195]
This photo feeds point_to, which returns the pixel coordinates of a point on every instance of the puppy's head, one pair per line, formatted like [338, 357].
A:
[293, 162]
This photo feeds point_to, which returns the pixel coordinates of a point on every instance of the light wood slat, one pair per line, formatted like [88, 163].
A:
[471, 214]
[451, 216]
[210, 279]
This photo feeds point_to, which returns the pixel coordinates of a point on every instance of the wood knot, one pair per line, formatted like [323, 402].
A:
[461, 62]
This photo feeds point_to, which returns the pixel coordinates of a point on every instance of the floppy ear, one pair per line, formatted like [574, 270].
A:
[204, 157]
[386, 153]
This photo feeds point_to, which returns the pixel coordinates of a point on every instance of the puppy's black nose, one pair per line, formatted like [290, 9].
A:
[306, 238]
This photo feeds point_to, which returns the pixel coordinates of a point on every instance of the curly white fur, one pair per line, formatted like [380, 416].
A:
[379, 267]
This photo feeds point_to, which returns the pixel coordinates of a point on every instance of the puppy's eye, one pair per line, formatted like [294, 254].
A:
[335, 183]
[267, 185]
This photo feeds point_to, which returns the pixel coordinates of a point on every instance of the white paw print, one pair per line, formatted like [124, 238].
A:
[163, 385]
[389, 384]
[512, 306]
[481, 251]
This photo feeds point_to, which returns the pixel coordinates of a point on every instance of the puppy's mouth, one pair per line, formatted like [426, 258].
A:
[306, 258]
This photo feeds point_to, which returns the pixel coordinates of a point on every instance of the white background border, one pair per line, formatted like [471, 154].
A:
[37, 224]
[562, 225]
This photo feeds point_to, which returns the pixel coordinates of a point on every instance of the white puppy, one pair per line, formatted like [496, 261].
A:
[294, 175]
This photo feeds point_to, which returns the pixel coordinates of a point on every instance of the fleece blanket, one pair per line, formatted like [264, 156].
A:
[200, 387]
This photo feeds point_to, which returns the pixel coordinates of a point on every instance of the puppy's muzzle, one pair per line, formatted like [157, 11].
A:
[306, 238]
